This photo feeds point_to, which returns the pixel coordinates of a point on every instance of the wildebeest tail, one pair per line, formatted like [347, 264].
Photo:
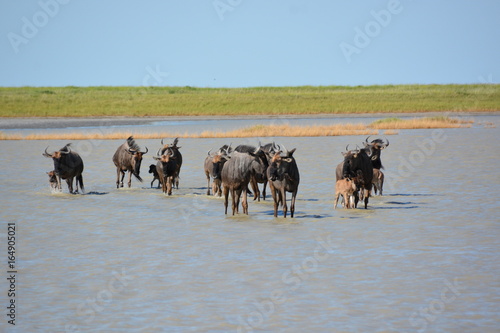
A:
[79, 179]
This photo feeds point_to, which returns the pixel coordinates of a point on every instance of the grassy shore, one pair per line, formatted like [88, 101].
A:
[187, 101]
[388, 124]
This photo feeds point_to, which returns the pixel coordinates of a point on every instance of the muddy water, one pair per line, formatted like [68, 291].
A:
[423, 257]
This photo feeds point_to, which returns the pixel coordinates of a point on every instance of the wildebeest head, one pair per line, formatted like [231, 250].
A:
[169, 145]
[354, 160]
[136, 155]
[166, 156]
[279, 157]
[59, 158]
[152, 168]
[376, 146]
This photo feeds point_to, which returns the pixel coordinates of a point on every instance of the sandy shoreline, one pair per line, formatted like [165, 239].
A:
[64, 122]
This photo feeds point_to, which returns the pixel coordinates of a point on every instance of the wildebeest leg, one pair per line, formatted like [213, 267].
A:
[177, 177]
[366, 195]
[274, 194]
[226, 197]
[163, 182]
[285, 207]
[292, 205]
[237, 196]
[208, 183]
[69, 181]
[255, 188]
[129, 178]
[264, 190]
[336, 200]
[244, 202]
[123, 176]
[59, 187]
[233, 197]
[118, 171]
[170, 181]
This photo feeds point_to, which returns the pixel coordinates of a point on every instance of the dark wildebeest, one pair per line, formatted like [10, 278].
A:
[257, 177]
[213, 168]
[237, 173]
[166, 168]
[152, 169]
[67, 165]
[355, 161]
[176, 154]
[283, 176]
[128, 157]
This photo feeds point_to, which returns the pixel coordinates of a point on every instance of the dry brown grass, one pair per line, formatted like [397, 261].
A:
[391, 125]
[419, 123]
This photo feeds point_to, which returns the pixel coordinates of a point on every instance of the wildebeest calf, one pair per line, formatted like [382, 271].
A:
[52, 179]
[378, 181]
[346, 188]
[152, 169]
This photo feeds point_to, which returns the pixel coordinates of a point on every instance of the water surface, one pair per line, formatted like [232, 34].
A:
[422, 257]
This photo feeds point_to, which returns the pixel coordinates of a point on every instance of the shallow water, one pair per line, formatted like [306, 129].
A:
[422, 257]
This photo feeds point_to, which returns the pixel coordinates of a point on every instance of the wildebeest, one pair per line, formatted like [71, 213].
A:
[128, 157]
[176, 154]
[258, 177]
[378, 181]
[152, 169]
[354, 161]
[67, 165]
[236, 175]
[213, 168]
[346, 188]
[167, 169]
[283, 176]
[52, 179]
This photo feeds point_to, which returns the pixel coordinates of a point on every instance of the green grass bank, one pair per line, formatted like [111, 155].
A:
[189, 101]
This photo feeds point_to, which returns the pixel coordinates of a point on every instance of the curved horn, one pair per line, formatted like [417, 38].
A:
[284, 150]
[145, 151]
[66, 152]
[131, 151]
[162, 141]
[387, 145]
[209, 152]
[46, 154]
[347, 147]
[366, 140]
[158, 152]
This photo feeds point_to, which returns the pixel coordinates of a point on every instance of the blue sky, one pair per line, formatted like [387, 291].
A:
[242, 43]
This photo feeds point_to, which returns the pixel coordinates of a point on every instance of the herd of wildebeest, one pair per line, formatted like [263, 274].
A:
[233, 170]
